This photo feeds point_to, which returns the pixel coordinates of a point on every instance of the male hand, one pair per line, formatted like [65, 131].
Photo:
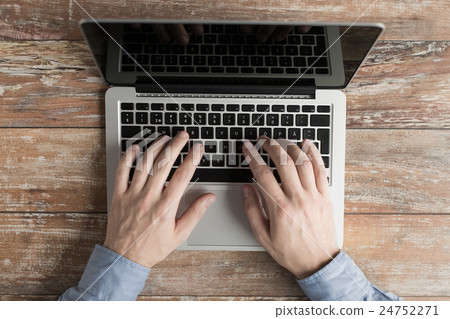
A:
[297, 229]
[142, 222]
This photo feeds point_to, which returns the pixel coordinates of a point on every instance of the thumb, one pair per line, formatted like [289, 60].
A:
[255, 214]
[193, 214]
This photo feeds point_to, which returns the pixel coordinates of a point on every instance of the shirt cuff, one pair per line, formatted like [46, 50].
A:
[109, 276]
[340, 279]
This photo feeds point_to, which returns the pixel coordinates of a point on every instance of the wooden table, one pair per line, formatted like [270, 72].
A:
[52, 152]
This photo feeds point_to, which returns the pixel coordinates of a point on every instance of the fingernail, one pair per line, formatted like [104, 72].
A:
[183, 134]
[210, 200]
[197, 147]
[246, 191]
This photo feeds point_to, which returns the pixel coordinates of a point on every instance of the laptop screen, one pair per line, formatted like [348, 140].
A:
[229, 57]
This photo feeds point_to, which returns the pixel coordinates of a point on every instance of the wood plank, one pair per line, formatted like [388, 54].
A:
[46, 253]
[410, 20]
[56, 84]
[63, 170]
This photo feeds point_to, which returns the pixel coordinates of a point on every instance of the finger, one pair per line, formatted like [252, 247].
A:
[285, 165]
[196, 29]
[303, 28]
[280, 33]
[145, 165]
[303, 164]
[192, 215]
[161, 32]
[184, 173]
[123, 170]
[164, 162]
[255, 213]
[320, 171]
[179, 33]
[262, 172]
[264, 32]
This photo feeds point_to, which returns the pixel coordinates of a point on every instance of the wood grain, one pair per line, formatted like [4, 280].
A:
[63, 170]
[53, 19]
[46, 253]
[55, 84]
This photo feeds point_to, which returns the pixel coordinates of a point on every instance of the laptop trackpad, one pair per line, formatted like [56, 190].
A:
[224, 223]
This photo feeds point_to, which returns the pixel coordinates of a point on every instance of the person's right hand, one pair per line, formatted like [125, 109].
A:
[298, 228]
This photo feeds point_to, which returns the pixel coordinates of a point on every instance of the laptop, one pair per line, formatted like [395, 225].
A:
[225, 82]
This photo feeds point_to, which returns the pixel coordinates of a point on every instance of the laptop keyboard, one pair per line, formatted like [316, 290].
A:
[223, 49]
[221, 128]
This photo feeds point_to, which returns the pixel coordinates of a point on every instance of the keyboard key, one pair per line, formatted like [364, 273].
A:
[200, 118]
[188, 69]
[172, 107]
[177, 161]
[307, 39]
[263, 108]
[233, 107]
[229, 119]
[287, 120]
[214, 118]
[299, 61]
[156, 59]
[214, 60]
[172, 69]
[204, 161]
[247, 70]
[127, 117]
[210, 147]
[301, 120]
[258, 119]
[309, 133]
[248, 108]
[323, 108]
[170, 118]
[232, 160]
[187, 107]
[206, 49]
[221, 133]
[293, 108]
[276, 70]
[278, 108]
[250, 133]
[323, 135]
[203, 107]
[218, 160]
[207, 132]
[131, 131]
[236, 133]
[217, 69]
[272, 119]
[142, 106]
[320, 120]
[262, 70]
[265, 131]
[185, 118]
[164, 130]
[326, 161]
[218, 107]
[292, 70]
[199, 60]
[224, 147]
[193, 132]
[285, 61]
[141, 118]
[156, 118]
[148, 131]
[279, 133]
[202, 69]
[308, 108]
[305, 50]
[243, 161]
[243, 119]
[126, 106]
[294, 134]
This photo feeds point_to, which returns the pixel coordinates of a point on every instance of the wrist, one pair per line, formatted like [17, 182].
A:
[316, 266]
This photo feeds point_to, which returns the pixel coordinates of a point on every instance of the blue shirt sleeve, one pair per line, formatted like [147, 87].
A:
[341, 279]
[108, 276]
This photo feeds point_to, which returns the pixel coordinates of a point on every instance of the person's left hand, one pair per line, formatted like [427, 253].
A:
[142, 222]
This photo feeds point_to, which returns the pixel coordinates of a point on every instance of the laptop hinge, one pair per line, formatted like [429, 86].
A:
[266, 91]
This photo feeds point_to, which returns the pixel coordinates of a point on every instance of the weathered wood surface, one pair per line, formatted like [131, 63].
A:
[46, 254]
[63, 170]
[55, 84]
[55, 19]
